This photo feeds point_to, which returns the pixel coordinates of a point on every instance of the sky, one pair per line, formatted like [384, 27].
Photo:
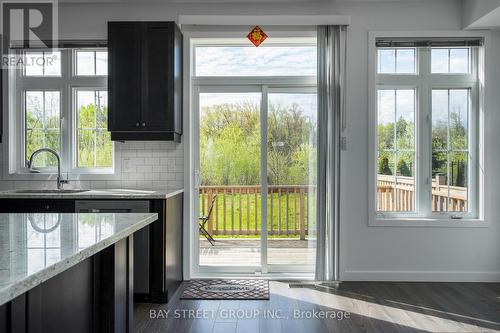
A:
[255, 61]
[258, 61]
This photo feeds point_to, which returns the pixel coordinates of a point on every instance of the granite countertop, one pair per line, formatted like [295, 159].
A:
[92, 194]
[36, 247]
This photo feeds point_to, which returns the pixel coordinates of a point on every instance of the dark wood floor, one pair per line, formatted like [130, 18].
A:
[372, 307]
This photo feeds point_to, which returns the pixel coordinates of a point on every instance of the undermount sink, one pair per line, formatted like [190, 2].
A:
[51, 191]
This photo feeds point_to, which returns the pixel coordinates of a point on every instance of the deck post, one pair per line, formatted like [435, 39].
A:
[302, 216]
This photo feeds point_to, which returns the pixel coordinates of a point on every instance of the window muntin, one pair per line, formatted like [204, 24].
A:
[450, 153]
[450, 60]
[91, 63]
[43, 64]
[396, 150]
[51, 114]
[42, 125]
[273, 60]
[397, 61]
[95, 148]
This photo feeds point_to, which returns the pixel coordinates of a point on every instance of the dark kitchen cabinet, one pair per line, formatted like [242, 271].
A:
[1, 92]
[37, 206]
[124, 77]
[145, 81]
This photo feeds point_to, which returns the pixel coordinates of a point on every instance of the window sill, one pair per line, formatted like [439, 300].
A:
[428, 222]
[51, 176]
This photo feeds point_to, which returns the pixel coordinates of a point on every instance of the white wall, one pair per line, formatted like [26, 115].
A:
[418, 253]
[367, 253]
[475, 11]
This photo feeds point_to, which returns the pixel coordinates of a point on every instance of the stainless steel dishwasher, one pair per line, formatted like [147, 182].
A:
[141, 237]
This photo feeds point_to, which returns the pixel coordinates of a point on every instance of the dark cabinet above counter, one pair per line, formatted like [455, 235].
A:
[145, 81]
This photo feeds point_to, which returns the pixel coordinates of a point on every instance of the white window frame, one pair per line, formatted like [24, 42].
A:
[68, 83]
[423, 82]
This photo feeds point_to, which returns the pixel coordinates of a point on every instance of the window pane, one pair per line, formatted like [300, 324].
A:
[33, 64]
[396, 150]
[459, 60]
[104, 149]
[439, 181]
[291, 170]
[454, 60]
[85, 63]
[459, 109]
[34, 109]
[439, 61]
[52, 63]
[405, 181]
[405, 123]
[86, 110]
[450, 110]
[396, 61]
[385, 181]
[386, 115]
[405, 61]
[86, 148]
[458, 182]
[101, 66]
[42, 63]
[255, 61]
[95, 148]
[386, 61]
[102, 110]
[439, 119]
[52, 112]
[42, 115]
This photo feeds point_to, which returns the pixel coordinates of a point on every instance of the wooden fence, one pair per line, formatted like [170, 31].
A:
[237, 209]
[401, 197]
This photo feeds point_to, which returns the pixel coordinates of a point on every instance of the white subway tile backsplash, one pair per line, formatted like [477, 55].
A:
[143, 165]
[144, 168]
[136, 176]
[145, 153]
[113, 184]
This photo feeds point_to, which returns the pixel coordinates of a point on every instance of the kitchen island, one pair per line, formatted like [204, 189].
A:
[157, 247]
[64, 272]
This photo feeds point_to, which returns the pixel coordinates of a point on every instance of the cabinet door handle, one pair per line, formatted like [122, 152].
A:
[136, 124]
[143, 124]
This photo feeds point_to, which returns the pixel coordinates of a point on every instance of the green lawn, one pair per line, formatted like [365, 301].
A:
[245, 213]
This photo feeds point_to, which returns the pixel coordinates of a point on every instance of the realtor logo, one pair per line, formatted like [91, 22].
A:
[27, 24]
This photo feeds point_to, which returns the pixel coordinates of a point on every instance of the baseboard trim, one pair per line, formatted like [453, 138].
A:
[420, 276]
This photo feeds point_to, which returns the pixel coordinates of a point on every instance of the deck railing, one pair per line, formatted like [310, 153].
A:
[237, 209]
[290, 208]
[401, 197]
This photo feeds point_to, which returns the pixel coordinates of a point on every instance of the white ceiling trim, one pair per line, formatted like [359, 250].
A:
[267, 20]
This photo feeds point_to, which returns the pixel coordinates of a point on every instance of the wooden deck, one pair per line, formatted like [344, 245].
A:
[246, 252]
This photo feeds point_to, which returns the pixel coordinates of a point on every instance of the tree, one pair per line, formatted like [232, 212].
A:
[383, 166]
[403, 169]
[230, 145]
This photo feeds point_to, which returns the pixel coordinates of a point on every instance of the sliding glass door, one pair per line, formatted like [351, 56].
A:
[230, 178]
[257, 166]
[291, 174]
[254, 154]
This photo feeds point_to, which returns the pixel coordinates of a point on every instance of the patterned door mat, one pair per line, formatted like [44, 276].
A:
[226, 289]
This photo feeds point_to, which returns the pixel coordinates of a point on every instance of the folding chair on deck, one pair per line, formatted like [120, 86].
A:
[203, 221]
